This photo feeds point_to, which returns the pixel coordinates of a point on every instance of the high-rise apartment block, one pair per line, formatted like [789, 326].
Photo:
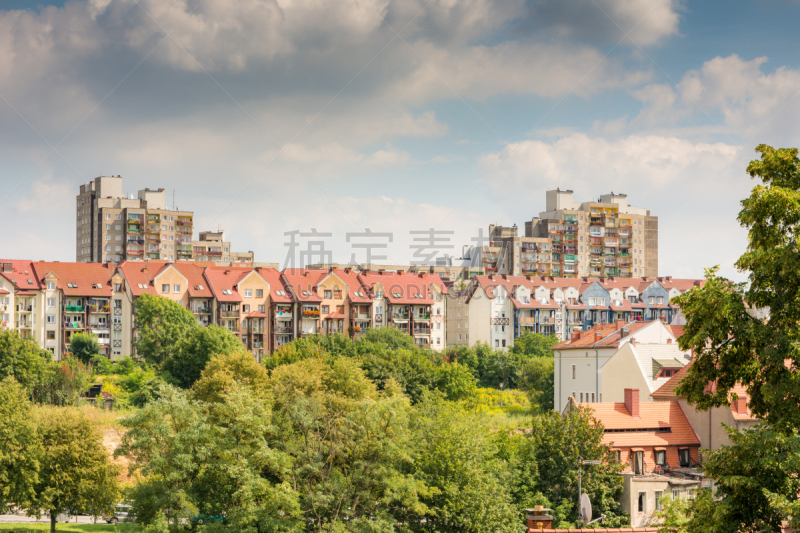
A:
[607, 238]
[114, 227]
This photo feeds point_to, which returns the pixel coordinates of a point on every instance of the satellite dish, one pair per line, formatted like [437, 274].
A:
[586, 509]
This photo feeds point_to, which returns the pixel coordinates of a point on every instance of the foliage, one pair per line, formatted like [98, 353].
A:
[688, 515]
[456, 382]
[209, 459]
[195, 349]
[61, 382]
[534, 345]
[391, 338]
[76, 471]
[224, 370]
[537, 377]
[21, 359]
[508, 400]
[459, 459]
[350, 447]
[84, 347]
[556, 441]
[160, 323]
[731, 346]
[19, 446]
[297, 350]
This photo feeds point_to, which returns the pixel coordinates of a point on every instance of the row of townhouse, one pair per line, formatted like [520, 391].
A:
[498, 309]
[626, 373]
[263, 307]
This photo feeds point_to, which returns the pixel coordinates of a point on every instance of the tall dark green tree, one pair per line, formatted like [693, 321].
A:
[755, 483]
[20, 448]
[195, 349]
[21, 359]
[84, 346]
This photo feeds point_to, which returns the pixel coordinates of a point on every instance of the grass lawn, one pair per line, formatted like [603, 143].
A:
[88, 528]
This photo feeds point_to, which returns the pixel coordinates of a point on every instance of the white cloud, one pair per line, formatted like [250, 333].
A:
[46, 196]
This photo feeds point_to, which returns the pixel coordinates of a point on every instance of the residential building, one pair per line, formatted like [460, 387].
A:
[596, 239]
[658, 448]
[598, 364]
[560, 306]
[457, 323]
[212, 246]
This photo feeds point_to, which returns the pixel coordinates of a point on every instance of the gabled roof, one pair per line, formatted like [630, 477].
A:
[355, 290]
[403, 288]
[652, 355]
[303, 283]
[223, 281]
[78, 279]
[334, 316]
[277, 291]
[198, 287]
[256, 314]
[644, 431]
[17, 276]
[610, 336]
[140, 275]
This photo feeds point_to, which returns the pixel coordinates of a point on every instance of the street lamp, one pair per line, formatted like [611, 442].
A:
[581, 462]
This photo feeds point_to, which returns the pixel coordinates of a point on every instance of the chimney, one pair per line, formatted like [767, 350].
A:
[575, 335]
[741, 404]
[347, 270]
[619, 324]
[537, 519]
[597, 337]
[632, 402]
[669, 341]
[633, 342]
[399, 272]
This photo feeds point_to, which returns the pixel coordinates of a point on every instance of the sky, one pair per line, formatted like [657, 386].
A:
[266, 117]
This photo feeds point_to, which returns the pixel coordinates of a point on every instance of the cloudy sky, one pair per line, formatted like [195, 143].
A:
[267, 116]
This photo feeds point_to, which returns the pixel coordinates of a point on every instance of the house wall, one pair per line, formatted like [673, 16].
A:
[501, 323]
[438, 319]
[457, 319]
[586, 362]
[480, 308]
[622, 372]
[633, 485]
[708, 424]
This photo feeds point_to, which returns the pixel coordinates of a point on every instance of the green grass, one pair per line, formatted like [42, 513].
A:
[88, 528]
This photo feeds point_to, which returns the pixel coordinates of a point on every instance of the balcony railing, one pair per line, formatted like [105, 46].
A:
[99, 309]
[400, 316]
[310, 313]
[283, 331]
[74, 308]
[24, 308]
[73, 325]
[422, 331]
[201, 310]
[229, 314]
[422, 317]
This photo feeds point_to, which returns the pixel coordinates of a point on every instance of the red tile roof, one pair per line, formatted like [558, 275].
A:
[334, 316]
[78, 279]
[256, 314]
[303, 283]
[609, 336]
[401, 288]
[18, 275]
[677, 331]
[644, 431]
[277, 290]
[224, 279]
[138, 273]
[198, 286]
[4, 291]
[354, 285]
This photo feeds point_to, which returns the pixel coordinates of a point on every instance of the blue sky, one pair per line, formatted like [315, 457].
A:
[394, 115]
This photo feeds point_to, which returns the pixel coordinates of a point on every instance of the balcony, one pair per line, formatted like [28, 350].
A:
[99, 309]
[202, 310]
[284, 330]
[229, 314]
[283, 315]
[73, 325]
[310, 314]
[214, 254]
[134, 229]
[527, 320]
[99, 325]
[421, 331]
[74, 308]
[400, 316]
[24, 308]
[422, 318]
[135, 240]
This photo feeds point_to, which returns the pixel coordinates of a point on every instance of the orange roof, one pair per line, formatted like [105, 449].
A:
[138, 273]
[354, 286]
[647, 430]
[21, 273]
[677, 331]
[198, 287]
[78, 279]
[667, 390]
[610, 336]
[256, 314]
[223, 281]
[277, 291]
[334, 316]
[303, 283]
[404, 288]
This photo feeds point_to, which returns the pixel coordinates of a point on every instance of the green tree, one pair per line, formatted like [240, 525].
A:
[195, 349]
[688, 515]
[386, 337]
[297, 350]
[557, 441]
[456, 382]
[534, 345]
[84, 346]
[537, 378]
[76, 471]
[21, 359]
[160, 325]
[225, 370]
[61, 382]
[457, 457]
[732, 346]
[210, 459]
[20, 449]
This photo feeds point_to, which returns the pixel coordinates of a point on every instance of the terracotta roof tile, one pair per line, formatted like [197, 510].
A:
[223, 281]
[644, 431]
[402, 288]
[18, 275]
[78, 279]
[303, 283]
[277, 291]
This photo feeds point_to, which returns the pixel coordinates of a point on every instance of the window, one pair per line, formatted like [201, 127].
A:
[591, 301]
[659, 495]
[51, 285]
[684, 459]
[260, 308]
[459, 336]
[164, 227]
[259, 293]
[496, 343]
[108, 217]
[172, 228]
[661, 299]
[165, 288]
[176, 288]
[118, 218]
[581, 397]
[619, 456]
[676, 494]
[51, 335]
[51, 319]
[661, 457]
[573, 371]
[51, 302]
[118, 227]
[592, 397]
[638, 462]
[651, 300]
[118, 237]
[325, 309]
[328, 294]
[248, 293]
[642, 502]
[246, 308]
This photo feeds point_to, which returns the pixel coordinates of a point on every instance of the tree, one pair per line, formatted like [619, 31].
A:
[160, 324]
[537, 378]
[20, 448]
[388, 337]
[61, 382]
[731, 346]
[225, 370]
[195, 349]
[76, 471]
[456, 382]
[84, 346]
[21, 359]
[534, 345]
[210, 459]
[556, 441]
[457, 458]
